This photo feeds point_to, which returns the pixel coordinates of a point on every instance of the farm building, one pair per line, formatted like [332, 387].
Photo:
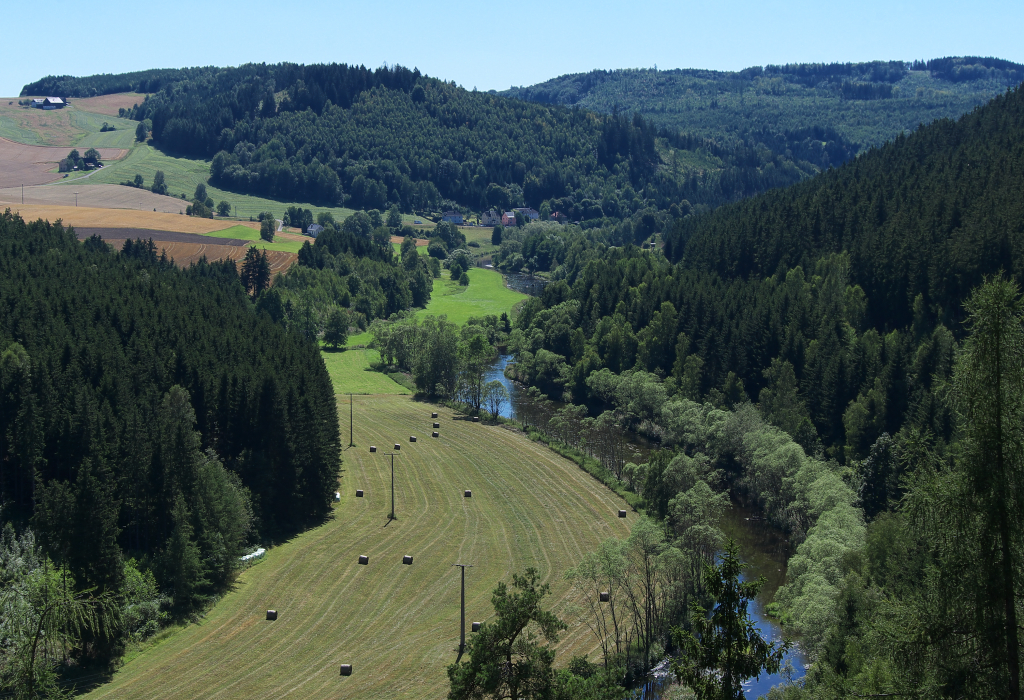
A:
[490, 218]
[452, 217]
[314, 230]
[48, 103]
[530, 213]
[508, 218]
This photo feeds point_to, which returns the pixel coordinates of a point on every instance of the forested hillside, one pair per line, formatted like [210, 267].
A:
[153, 424]
[334, 134]
[838, 300]
[809, 116]
[873, 314]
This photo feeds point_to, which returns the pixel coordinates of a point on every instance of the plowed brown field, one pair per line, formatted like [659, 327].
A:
[184, 254]
[30, 165]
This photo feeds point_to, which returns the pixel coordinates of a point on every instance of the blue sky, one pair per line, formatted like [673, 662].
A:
[492, 45]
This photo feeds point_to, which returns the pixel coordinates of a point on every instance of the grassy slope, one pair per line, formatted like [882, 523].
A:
[350, 373]
[486, 294]
[245, 233]
[398, 625]
[182, 176]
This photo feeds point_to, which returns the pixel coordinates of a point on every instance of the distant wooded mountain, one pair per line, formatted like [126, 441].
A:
[806, 113]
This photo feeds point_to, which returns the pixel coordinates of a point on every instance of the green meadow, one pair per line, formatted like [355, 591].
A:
[244, 233]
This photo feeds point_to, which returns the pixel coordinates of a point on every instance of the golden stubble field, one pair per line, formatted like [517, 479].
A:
[397, 625]
[98, 197]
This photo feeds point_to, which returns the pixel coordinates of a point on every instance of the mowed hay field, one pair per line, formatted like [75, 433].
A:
[74, 125]
[397, 625]
[21, 164]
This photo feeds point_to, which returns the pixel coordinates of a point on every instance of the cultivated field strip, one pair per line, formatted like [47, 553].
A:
[397, 625]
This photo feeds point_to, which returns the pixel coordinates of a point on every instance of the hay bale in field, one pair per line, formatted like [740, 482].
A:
[476, 419]
[412, 438]
[435, 434]
[373, 448]
[397, 447]
[363, 559]
[359, 493]
[468, 494]
[604, 596]
[476, 626]
[407, 559]
[436, 426]
[433, 415]
[346, 669]
[622, 514]
[271, 614]
[337, 497]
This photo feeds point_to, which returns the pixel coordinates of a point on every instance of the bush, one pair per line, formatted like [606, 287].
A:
[456, 271]
[464, 279]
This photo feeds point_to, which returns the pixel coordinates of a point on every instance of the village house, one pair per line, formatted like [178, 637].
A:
[490, 218]
[452, 217]
[559, 217]
[314, 230]
[508, 218]
[530, 213]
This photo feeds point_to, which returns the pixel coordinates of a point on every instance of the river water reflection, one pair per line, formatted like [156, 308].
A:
[762, 549]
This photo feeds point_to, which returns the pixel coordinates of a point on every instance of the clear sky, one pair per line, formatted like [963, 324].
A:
[493, 45]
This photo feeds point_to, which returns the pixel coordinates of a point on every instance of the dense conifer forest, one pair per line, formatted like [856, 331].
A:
[153, 425]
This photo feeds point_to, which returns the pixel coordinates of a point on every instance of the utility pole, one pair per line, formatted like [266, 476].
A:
[392, 456]
[76, 199]
[350, 443]
[462, 624]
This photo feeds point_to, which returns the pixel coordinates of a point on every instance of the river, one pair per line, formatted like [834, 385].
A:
[763, 551]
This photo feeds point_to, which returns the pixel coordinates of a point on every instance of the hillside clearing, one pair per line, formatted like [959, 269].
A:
[397, 625]
[108, 104]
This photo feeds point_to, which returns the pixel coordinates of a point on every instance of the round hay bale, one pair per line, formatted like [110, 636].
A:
[622, 514]
[412, 438]
[337, 497]
[346, 669]
[435, 434]
[436, 426]
[397, 447]
[359, 493]
[468, 494]
[407, 559]
[476, 626]
[604, 596]
[373, 448]
[433, 415]
[271, 614]
[363, 559]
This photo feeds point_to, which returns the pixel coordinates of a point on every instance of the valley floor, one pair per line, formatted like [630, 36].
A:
[397, 625]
